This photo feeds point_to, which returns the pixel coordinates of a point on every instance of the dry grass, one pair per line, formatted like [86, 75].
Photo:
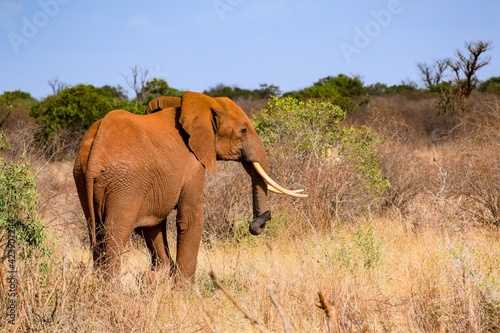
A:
[376, 274]
[424, 258]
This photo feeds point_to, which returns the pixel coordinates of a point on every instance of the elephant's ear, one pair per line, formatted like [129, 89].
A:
[161, 103]
[197, 119]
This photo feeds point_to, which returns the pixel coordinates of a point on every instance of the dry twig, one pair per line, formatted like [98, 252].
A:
[255, 322]
[273, 294]
[206, 315]
[330, 312]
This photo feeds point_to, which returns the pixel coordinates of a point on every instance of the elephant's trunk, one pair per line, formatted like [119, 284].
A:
[257, 226]
[261, 213]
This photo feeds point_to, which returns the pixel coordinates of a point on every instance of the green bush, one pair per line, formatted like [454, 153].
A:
[15, 99]
[313, 127]
[265, 91]
[492, 85]
[342, 90]
[77, 108]
[19, 206]
[308, 125]
[159, 87]
[14, 108]
[360, 148]
[408, 89]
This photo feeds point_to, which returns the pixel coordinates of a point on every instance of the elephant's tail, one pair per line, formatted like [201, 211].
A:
[89, 182]
[90, 176]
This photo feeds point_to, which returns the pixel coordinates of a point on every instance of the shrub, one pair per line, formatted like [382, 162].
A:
[265, 91]
[13, 99]
[341, 90]
[360, 147]
[313, 127]
[309, 126]
[492, 85]
[159, 87]
[77, 108]
[14, 107]
[19, 207]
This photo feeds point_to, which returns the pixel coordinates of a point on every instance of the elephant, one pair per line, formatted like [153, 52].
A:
[161, 103]
[132, 170]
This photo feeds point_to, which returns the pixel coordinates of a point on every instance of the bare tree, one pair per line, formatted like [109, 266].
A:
[433, 74]
[57, 85]
[467, 64]
[138, 82]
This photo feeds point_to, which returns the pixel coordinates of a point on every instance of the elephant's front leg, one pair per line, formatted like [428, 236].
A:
[189, 227]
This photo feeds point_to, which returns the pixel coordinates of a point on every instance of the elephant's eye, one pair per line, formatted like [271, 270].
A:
[243, 131]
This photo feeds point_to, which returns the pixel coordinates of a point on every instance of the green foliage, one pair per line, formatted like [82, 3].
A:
[358, 247]
[312, 126]
[159, 87]
[369, 247]
[4, 144]
[360, 147]
[341, 90]
[77, 108]
[381, 89]
[264, 92]
[114, 92]
[12, 103]
[377, 89]
[19, 206]
[308, 125]
[14, 99]
[492, 85]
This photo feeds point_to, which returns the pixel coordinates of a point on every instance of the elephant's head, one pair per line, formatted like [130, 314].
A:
[219, 130]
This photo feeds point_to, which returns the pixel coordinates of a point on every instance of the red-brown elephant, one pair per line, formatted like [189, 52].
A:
[133, 170]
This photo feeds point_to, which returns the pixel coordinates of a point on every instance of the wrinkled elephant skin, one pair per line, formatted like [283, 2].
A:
[133, 170]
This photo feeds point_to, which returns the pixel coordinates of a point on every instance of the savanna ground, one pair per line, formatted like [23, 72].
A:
[424, 256]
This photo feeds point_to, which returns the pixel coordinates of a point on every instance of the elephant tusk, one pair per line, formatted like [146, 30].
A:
[272, 189]
[274, 185]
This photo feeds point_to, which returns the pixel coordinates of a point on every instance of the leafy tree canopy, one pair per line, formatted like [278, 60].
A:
[158, 87]
[264, 92]
[77, 108]
[331, 88]
[14, 99]
[117, 92]
[307, 125]
[492, 85]
[383, 89]
[340, 90]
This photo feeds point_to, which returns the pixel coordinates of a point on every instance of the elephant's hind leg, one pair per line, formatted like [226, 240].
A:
[114, 244]
[118, 226]
[156, 241]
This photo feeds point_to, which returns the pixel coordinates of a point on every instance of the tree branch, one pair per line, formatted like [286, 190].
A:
[254, 321]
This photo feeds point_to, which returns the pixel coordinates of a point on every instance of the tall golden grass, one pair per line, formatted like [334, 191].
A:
[424, 257]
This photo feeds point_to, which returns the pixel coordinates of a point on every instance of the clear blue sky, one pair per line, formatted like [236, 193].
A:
[194, 45]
